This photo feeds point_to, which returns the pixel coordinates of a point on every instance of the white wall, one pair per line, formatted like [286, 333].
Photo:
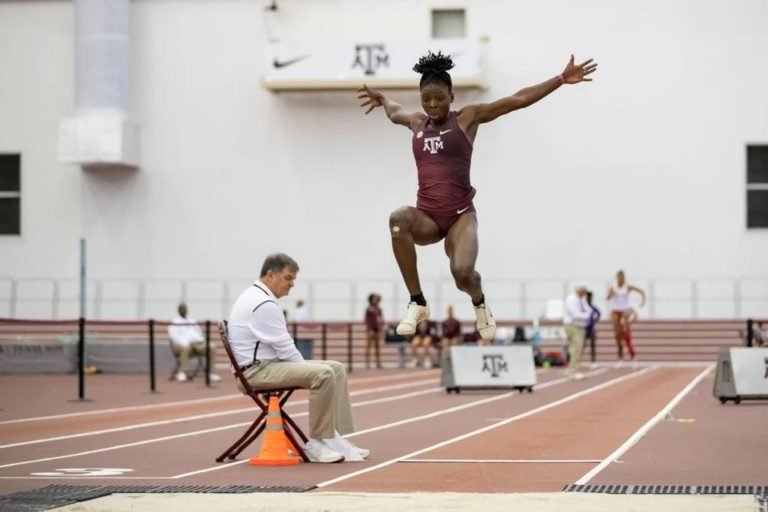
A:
[643, 169]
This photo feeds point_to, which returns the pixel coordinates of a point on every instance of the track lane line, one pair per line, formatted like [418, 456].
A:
[642, 431]
[473, 433]
[206, 416]
[189, 402]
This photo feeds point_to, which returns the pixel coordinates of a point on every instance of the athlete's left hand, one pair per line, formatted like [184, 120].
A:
[575, 73]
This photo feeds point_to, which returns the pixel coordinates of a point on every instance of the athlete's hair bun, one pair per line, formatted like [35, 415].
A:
[433, 63]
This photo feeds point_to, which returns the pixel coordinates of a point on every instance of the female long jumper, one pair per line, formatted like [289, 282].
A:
[442, 146]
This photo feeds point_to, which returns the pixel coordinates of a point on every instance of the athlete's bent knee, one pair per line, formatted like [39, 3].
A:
[464, 276]
[400, 222]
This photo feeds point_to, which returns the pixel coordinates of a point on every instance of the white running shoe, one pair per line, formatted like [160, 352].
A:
[364, 452]
[214, 378]
[413, 316]
[486, 325]
[317, 451]
[181, 377]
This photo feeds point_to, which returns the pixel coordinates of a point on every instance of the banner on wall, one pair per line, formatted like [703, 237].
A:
[377, 64]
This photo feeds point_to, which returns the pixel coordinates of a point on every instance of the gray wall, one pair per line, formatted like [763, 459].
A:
[643, 169]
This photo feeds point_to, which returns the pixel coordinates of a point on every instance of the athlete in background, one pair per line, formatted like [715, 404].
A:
[622, 314]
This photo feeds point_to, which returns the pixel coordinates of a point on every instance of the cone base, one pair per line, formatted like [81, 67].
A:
[255, 461]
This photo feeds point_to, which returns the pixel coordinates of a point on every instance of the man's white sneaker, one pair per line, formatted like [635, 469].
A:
[413, 316]
[181, 377]
[364, 452]
[317, 451]
[214, 378]
[486, 325]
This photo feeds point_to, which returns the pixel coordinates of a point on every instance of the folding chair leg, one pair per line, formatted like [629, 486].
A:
[248, 441]
[287, 419]
[229, 451]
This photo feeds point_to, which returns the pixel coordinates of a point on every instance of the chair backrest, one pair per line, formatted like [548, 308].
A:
[225, 341]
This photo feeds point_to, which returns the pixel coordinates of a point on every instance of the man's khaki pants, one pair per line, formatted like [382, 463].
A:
[329, 408]
[184, 352]
[575, 337]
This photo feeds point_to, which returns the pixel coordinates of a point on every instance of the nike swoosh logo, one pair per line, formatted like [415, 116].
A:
[459, 212]
[446, 131]
[281, 64]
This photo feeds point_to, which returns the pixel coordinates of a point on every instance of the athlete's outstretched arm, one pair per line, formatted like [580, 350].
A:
[394, 111]
[486, 112]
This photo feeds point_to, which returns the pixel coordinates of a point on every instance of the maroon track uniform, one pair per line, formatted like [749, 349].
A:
[443, 157]
[451, 328]
[373, 318]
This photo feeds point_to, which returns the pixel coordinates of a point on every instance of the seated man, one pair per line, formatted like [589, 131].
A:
[187, 340]
[269, 358]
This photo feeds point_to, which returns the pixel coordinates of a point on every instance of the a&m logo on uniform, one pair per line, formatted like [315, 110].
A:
[433, 144]
[494, 364]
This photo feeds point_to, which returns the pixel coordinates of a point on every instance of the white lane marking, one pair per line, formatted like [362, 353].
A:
[394, 424]
[467, 405]
[209, 430]
[473, 433]
[634, 438]
[208, 415]
[500, 461]
[124, 409]
[187, 402]
[85, 472]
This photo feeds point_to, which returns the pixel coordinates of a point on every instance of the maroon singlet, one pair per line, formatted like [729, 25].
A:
[443, 157]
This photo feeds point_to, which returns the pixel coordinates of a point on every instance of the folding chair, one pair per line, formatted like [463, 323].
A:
[261, 397]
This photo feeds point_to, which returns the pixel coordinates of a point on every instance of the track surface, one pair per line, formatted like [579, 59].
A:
[651, 424]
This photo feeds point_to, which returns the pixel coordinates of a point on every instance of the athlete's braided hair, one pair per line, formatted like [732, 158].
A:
[434, 69]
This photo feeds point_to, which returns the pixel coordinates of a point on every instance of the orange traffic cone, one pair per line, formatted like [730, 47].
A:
[275, 447]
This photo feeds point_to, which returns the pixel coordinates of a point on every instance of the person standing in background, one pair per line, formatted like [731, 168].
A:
[374, 323]
[622, 312]
[591, 332]
[576, 316]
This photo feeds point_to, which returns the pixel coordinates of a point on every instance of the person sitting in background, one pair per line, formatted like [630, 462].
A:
[187, 340]
[451, 331]
[759, 334]
[422, 338]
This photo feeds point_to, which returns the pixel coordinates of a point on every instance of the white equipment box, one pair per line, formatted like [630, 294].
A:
[742, 373]
[472, 367]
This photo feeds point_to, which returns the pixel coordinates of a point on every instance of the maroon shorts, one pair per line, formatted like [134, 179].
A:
[445, 222]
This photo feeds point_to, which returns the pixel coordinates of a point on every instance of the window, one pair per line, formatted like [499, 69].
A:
[757, 187]
[10, 194]
[448, 24]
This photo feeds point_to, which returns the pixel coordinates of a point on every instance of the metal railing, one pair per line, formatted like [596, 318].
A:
[342, 300]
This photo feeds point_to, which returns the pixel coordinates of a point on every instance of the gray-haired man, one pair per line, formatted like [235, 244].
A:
[268, 357]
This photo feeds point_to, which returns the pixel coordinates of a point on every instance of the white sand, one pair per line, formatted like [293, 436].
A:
[423, 502]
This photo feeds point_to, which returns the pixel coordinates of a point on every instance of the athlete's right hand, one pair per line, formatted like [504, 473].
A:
[373, 98]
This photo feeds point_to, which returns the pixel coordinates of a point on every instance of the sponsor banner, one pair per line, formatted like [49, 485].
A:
[750, 370]
[377, 64]
[492, 366]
